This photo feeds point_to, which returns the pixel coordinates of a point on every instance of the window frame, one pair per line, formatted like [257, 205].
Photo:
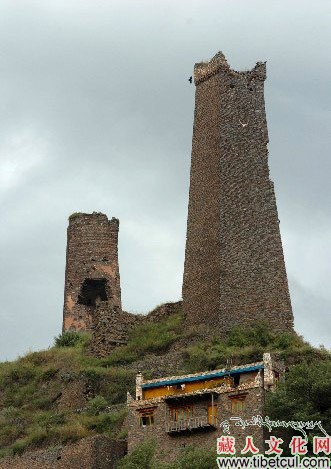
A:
[178, 413]
[147, 417]
[238, 404]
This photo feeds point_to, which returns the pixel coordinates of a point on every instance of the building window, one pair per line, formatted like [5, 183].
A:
[237, 404]
[147, 418]
[181, 413]
[236, 380]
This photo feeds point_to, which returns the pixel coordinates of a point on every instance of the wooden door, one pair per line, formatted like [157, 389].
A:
[212, 412]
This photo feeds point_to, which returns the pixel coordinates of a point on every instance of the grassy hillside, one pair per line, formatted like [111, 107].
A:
[35, 389]
[31, 389]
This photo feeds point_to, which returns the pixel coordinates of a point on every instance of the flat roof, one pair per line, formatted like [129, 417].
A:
[201, 377]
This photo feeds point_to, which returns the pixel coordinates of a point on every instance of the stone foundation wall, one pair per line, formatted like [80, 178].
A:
[111, 326]
[96, 452]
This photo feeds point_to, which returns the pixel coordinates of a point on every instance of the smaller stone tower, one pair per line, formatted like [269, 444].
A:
[92, 272]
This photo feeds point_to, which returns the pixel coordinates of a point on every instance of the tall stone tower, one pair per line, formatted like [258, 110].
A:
[92, 272]
[234, 266]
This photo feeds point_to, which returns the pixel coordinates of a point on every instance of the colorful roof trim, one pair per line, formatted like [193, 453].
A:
[191, 379]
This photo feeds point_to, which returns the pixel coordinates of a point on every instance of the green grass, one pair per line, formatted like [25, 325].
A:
[148, 338]
[30, 386]
[247, 345]
[143, 457]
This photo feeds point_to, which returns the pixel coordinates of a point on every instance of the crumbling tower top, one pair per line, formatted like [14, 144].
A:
[205, 70]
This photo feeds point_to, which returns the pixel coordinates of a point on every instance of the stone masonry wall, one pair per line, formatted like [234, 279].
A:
[96, 452]
[92, 271]
[111, 326]
[162, 312]
[234, 266]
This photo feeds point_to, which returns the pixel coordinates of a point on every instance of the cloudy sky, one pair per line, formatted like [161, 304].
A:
[96, 115]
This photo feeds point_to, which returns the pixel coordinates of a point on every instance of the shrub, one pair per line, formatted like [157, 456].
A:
[96, 405]
[116, 384]
[19, 446]
[48, 374]
[110, 423]
[304, 396]
[140, 458]
[9, 433]
[70, 432]
[257, 335]
[247, 345]
[50, 419]
[71, 339]
[194, 457]
[74, 215]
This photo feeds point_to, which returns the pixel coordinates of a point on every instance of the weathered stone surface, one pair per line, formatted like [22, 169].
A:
[92, 294]
[234, 266]
[96, 452]
[162, 312]
[110, 326]
[92, 272]
[73, 396]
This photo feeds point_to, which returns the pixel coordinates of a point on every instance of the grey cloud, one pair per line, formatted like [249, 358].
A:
[97, 113]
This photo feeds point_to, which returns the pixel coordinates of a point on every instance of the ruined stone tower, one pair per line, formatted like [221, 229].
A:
[234, 266]
[92, 272]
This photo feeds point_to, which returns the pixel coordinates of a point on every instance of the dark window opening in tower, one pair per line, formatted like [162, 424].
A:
[93, 290]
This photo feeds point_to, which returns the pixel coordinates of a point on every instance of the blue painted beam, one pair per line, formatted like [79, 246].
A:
[203, 377]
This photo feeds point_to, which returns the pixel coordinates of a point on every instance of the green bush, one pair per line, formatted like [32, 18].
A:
[194, 457]
[140, 458]
[71, 339]
[257, 335]
[96, 405]
[305, 395]
[111, 423]
[48, 373]
[18, 447]
[50, 419]
[191, 457]
[247, 345]
[115, 385]
[75, 214]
